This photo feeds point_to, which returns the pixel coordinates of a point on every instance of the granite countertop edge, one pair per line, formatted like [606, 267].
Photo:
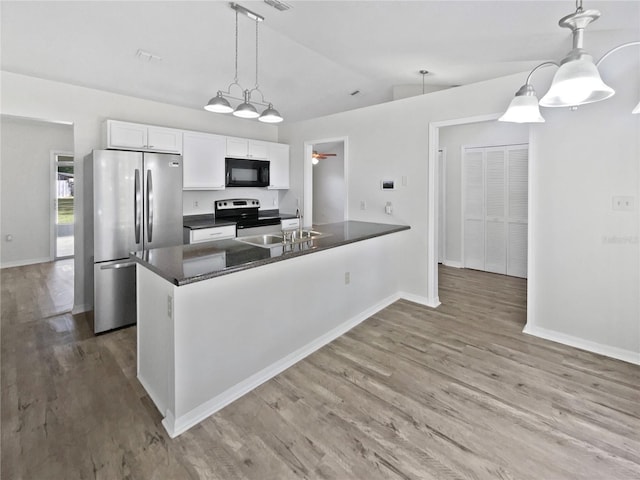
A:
[393, 228]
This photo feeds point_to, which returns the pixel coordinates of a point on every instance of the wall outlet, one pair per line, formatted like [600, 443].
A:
[624, 203]
[404, 180]
[195, 204]
[347, 278]
[363, 205]
[169, 306]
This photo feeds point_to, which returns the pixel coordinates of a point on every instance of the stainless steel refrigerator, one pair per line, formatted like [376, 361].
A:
[137, 205]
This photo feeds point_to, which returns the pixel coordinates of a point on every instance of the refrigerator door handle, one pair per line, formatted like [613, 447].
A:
[149, 206]
[137, 207]
[117, 265]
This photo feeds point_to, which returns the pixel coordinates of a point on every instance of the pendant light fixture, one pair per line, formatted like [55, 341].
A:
[246, 108]
[577, 81]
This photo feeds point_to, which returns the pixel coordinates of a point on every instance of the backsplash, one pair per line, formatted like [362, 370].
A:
[199, 202]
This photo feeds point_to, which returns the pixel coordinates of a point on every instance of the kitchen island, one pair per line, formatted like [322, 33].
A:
[217, 319]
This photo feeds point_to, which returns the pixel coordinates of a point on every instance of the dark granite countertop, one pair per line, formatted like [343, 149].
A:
[184, 264]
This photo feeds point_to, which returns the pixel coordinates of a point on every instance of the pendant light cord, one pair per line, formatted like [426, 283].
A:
[235, 80]
[257, 87]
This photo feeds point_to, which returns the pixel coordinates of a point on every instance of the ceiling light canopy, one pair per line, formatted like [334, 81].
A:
[577, 81]
[246, 107]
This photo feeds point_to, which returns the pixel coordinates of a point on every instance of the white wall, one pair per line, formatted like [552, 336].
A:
[405, 91]
[453, 139]
[26, 195]
[87, 109]
[584, 276]
[329, 185]
[269, 199]
[390, 140]
[584, 266]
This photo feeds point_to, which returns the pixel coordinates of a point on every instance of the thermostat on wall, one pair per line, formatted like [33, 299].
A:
[388, 184]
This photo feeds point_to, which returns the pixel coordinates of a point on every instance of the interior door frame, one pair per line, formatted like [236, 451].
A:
[53, 196]
[433, 194]
[307, 187]
[442, 208]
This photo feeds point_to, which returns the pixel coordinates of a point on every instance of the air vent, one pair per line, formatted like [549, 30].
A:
[278, 5]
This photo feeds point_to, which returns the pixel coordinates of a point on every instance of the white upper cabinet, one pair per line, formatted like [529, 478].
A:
[135, 136]
[203, 161]
[245, 148]
[164, 140]
[278, 166]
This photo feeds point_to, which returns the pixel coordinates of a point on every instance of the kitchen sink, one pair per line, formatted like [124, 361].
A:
[275, 239]
[268, 240]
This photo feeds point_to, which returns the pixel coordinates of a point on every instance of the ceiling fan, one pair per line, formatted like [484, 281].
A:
[316, 157]
[322, 156]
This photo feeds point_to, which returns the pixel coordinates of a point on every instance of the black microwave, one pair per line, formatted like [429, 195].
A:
[242, 172]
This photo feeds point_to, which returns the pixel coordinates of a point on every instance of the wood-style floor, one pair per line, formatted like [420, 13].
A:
[412, 393]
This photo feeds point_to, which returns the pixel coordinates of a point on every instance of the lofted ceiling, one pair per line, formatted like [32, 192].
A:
[311, 57]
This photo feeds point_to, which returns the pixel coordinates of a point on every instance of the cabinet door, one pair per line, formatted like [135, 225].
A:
[126, 135]
[164, 140]
[258, 150]
[203, 159]
[237, 147]
[278, 166]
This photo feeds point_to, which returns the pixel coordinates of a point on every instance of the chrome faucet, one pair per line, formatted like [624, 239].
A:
[299, 217]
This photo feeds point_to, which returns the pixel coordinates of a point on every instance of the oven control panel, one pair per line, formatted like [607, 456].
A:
[237, 203]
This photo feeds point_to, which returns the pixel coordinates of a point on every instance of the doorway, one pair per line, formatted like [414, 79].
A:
[63, 203]
[452, 196]
[325, 181]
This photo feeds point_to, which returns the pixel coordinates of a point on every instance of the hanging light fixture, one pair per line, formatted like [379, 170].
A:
[577, 81]
[246, 107]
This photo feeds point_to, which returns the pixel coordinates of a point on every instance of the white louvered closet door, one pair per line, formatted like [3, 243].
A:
[495, 209]
[495, 258]
[473, 175]
[518, 206]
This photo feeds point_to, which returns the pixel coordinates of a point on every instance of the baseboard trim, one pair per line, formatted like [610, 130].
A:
[177, 425]
[452, 263]
[155, 398]
[594, 347]
[22, 263]
[426, 301]
[81, 309]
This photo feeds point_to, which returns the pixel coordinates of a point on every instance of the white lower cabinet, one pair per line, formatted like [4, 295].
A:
[278, 166]
[203, 161]
[209, 234]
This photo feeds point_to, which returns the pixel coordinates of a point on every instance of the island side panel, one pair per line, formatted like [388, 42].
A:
[235, 331]
[155, 338]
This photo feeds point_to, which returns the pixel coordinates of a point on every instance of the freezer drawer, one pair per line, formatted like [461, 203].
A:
[114, 294]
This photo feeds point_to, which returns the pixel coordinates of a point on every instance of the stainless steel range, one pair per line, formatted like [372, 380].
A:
[245, 212]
